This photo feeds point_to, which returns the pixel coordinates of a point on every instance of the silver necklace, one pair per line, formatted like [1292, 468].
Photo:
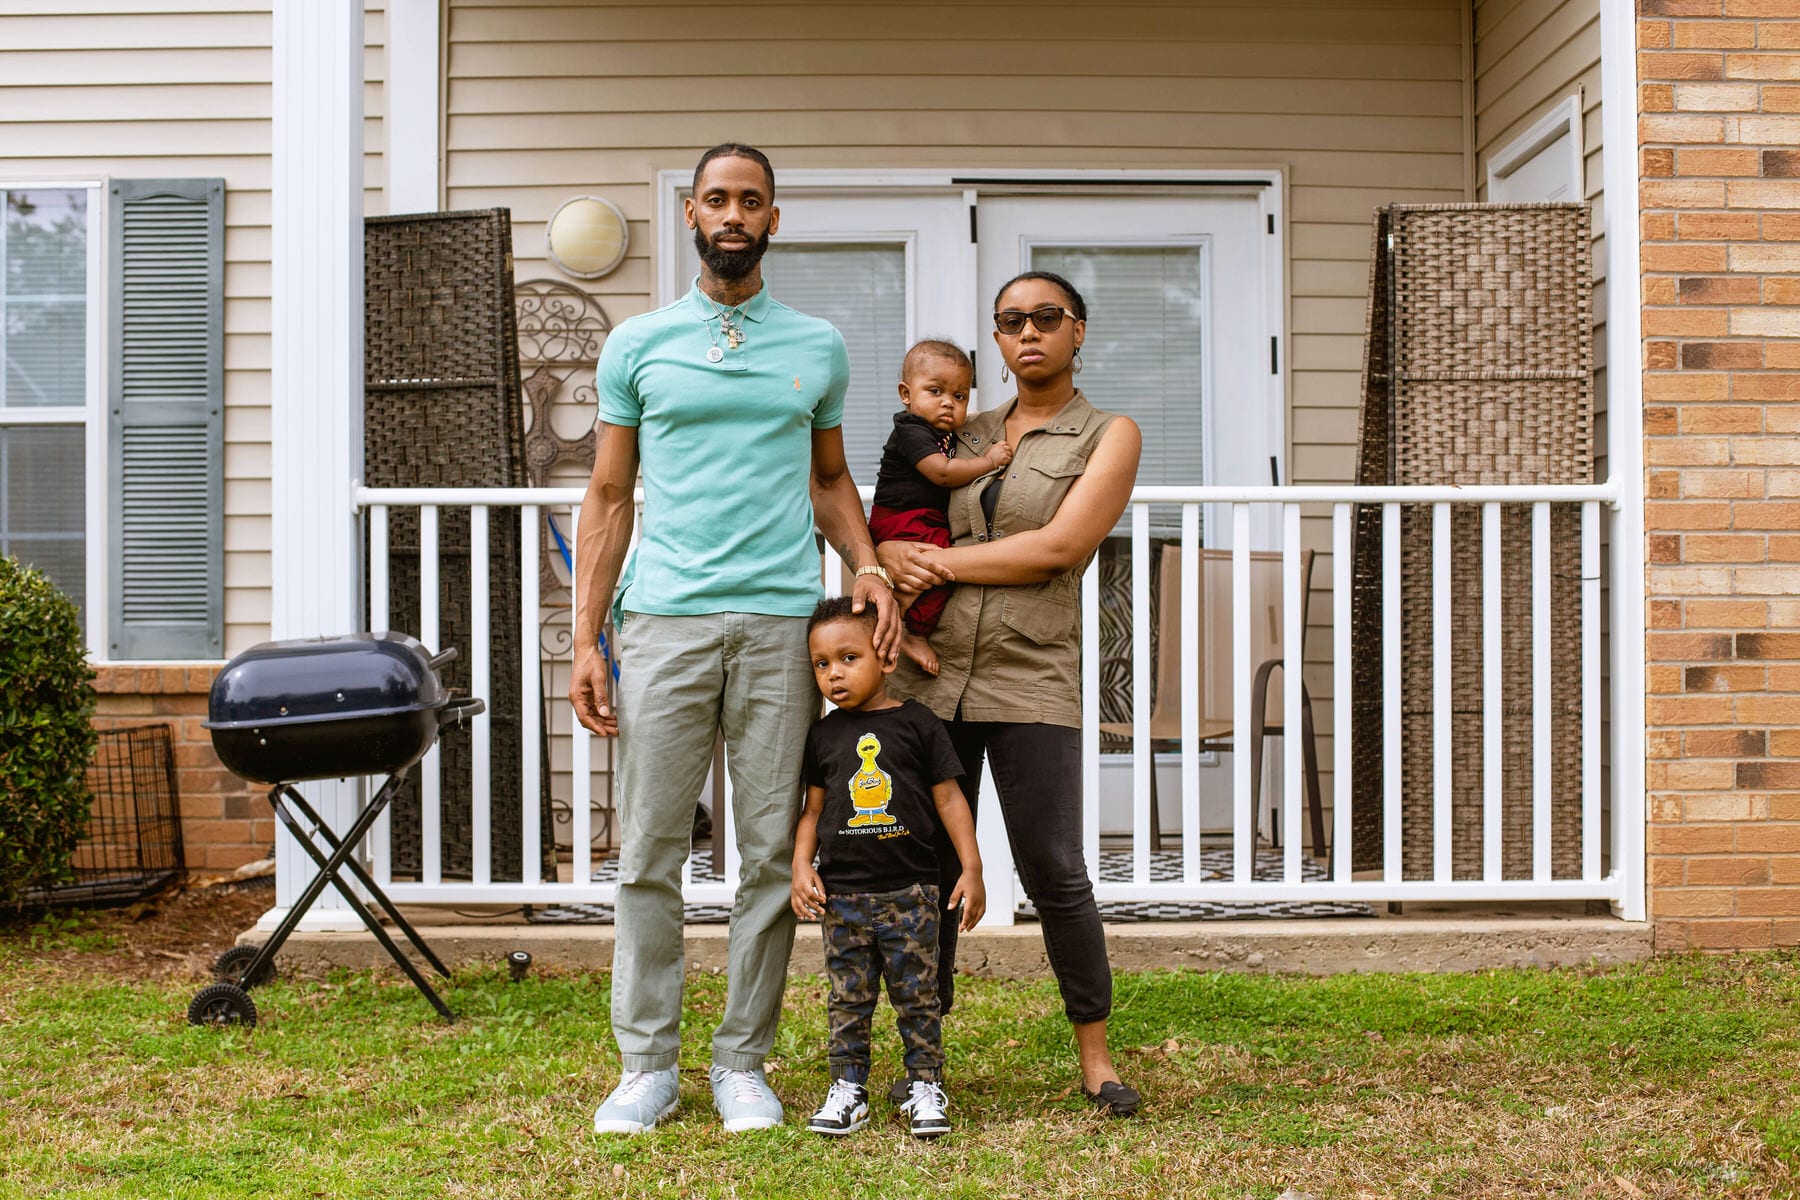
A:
[734, 333]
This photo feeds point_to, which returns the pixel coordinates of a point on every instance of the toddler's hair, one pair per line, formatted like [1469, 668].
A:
[942, 348]
[840, 608]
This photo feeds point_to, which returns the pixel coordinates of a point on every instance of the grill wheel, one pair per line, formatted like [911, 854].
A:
[230, 966]
[221, 1004]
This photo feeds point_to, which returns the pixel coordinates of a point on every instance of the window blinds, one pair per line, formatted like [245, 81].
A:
[860, 288]
[1142, 356]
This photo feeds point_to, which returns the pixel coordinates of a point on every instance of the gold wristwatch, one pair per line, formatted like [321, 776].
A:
[876, 571]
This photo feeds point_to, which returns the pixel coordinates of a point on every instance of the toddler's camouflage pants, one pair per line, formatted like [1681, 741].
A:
[884, 935]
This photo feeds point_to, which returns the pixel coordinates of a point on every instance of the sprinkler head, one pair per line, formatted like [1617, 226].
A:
[517, 963]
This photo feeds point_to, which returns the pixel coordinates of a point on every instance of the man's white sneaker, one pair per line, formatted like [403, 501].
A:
[744, 1099]
[641, 1100]
[846, 1109]
[925, 1107]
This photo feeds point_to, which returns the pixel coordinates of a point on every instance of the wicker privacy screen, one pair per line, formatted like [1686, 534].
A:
[442, 408]
[1478, 369]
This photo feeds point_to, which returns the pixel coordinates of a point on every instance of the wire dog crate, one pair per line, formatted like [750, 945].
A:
[132, 847]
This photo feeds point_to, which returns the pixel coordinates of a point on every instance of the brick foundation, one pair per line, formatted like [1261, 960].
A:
[225, 822]
[1719, 98]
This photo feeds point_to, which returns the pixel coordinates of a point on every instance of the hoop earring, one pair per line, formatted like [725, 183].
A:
[1077, 368]
[1005, 375]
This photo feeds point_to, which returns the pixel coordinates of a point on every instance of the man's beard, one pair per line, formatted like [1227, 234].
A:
[730, 264]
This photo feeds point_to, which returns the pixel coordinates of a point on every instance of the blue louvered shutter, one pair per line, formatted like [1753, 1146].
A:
[165, 419]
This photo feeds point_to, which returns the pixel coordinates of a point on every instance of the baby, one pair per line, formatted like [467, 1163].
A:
[920, 466]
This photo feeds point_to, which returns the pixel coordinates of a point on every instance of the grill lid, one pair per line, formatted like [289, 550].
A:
[327, 678]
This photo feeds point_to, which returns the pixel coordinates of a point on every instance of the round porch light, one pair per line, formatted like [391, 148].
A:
[587, 236]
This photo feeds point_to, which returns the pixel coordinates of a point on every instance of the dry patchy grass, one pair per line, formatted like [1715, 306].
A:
[1672, 1078]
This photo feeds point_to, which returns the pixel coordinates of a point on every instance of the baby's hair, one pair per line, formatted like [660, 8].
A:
[840, 608]
[942, 348]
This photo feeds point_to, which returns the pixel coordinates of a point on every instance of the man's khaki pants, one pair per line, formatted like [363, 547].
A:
[681, 680]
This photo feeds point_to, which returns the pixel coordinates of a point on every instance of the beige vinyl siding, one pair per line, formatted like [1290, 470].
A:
[1530, 56]
[1360, 104]
[165, 89]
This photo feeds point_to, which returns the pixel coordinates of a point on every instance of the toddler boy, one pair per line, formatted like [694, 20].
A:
[880, 778]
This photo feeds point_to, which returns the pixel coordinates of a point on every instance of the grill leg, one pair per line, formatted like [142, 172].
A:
[266, 955]
[380, 801]
[328, 874]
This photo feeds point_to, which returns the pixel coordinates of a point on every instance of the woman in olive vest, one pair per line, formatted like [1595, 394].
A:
[1008, 645]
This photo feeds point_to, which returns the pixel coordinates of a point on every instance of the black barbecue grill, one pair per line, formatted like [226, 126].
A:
[325, 708]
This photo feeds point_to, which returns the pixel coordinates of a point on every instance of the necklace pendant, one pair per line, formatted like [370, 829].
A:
[714, 354]
[735, 337]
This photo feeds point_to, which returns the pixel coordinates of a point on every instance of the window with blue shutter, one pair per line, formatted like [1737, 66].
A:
[165, 419]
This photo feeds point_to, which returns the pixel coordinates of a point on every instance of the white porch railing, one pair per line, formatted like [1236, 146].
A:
[1607, 871]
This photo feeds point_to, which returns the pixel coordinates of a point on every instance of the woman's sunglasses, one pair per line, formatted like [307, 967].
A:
[1048, 319]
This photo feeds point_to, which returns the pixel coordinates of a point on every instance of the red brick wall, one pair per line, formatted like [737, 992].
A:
[225, 822]
[1719, 101]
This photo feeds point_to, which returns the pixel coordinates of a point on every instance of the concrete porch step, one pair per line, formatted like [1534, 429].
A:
[1425, 938]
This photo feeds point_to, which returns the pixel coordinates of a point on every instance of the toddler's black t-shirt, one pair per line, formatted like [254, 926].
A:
[877, 828]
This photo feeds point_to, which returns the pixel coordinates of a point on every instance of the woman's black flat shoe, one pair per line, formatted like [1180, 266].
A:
[1114, 1099]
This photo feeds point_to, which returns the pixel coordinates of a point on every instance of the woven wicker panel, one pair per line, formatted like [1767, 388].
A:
[1418, 703]
[1478, 369]
[443, 408]
[1496, 292]
[1372, 468]
[445, 285]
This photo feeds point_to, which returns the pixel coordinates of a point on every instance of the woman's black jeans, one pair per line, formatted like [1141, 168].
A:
[1037, 771]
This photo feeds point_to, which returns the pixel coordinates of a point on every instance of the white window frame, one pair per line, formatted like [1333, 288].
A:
[1564, 118]
[671, 184]
[92, 414]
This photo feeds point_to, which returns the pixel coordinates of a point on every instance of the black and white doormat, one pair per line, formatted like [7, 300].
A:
[1115, 867]
[1215, 866]
[602, 914]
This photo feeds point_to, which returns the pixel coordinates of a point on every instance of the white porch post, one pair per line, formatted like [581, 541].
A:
[1625, 444]
[414, 106]
[317, 361]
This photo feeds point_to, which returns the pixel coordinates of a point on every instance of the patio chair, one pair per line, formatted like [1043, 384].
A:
[1216, 722]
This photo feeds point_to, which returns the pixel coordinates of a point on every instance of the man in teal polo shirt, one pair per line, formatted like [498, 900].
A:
[731, 403]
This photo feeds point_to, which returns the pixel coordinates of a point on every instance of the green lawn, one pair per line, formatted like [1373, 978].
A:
[1672, 1078]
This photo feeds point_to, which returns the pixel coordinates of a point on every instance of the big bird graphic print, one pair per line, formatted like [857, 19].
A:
[871, 790]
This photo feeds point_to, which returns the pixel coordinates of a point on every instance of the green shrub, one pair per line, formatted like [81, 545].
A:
[46, 735]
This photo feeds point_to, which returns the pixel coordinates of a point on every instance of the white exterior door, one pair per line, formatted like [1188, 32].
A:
[1543, 163]
[1545, 174]
[1181, 317]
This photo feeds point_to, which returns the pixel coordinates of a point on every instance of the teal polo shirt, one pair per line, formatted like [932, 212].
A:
[726, 452]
